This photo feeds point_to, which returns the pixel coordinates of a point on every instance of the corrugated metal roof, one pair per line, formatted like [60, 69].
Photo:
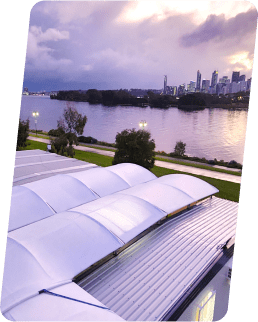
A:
[33, 165]
[147, 278]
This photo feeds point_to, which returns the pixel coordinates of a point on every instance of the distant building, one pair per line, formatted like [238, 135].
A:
[165, 84]
[249, 84]
[235, 77]
[226, 89]
[205, 85]
[171, 90]
[198, 81]
[214, 78]
[234, 87]
[219, 88]
[224, 80]
[181, 90]
[241, 78]
[191, 88]
[243, 86]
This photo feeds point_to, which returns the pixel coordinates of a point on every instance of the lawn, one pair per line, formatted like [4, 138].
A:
[227, 190]
[200, 166]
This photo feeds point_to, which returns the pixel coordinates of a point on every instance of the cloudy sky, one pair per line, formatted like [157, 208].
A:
[130, 44]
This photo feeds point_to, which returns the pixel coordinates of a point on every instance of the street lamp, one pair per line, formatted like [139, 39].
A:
[142, 124]
[35, 115]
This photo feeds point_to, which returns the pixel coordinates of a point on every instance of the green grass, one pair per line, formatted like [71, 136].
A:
[101, 160]
[227, 190]
[40, 136]
[33, 145]
[200, 166]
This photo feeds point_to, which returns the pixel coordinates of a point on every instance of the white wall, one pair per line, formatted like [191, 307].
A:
[219, 284]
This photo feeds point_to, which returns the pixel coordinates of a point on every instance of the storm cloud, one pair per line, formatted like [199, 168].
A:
[120, 44]
[219, 28]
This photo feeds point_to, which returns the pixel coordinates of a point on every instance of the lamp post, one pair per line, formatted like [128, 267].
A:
[142, 124]
[35, 115]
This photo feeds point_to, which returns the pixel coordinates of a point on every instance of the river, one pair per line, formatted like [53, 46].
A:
[210, 133]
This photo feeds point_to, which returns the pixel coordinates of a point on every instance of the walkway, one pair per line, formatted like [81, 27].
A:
[162, 164]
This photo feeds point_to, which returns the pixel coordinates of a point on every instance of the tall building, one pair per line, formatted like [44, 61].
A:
[171, 90]
[224, 80]
[191, 88]
[214, 78]
[198, 81]
[165, 84]
[205, 85]
[235, 77]
[249, 84]
[241, 78]
[181, 90]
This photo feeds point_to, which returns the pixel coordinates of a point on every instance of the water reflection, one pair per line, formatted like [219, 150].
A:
[209, 133]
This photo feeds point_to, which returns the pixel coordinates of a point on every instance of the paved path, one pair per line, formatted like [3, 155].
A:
[163, 164]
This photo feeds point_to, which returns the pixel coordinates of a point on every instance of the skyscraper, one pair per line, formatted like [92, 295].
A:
[205, 85]
[235, 77]
[241, 78]
[198, 81]
[214, 78]
[181, 90]
[165, 84]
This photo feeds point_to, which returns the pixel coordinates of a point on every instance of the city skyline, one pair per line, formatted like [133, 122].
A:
[110, 45]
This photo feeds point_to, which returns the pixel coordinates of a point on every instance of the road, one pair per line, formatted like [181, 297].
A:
[162, 164]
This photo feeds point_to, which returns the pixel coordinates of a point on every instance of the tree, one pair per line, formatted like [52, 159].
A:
[23, 133]
[69, 127]
[135, 147]
[180, 148]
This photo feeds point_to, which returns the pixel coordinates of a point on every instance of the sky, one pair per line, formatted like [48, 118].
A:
[131, 44]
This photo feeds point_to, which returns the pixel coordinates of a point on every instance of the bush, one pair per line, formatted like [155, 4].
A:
[180, 148]
[60, 146]
[23, 133]
[55, 132]
[87, 139]
[135, 147]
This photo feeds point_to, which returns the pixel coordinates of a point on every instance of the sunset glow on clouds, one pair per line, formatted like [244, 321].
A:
[121, 44]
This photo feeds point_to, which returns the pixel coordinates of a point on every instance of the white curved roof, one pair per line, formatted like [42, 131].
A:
[101, 181]
[172, 192]
[167, 198]
[62, 192]
[194, 187]
[26, 208]
[132, 173]
[45, 307]
[126, 216]
[53, 250]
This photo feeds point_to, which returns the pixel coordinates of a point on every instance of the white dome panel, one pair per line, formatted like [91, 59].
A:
[124, 215]
[101, 181]
[62, 192]
[26, 208]
[133, 174]
[194, 187]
